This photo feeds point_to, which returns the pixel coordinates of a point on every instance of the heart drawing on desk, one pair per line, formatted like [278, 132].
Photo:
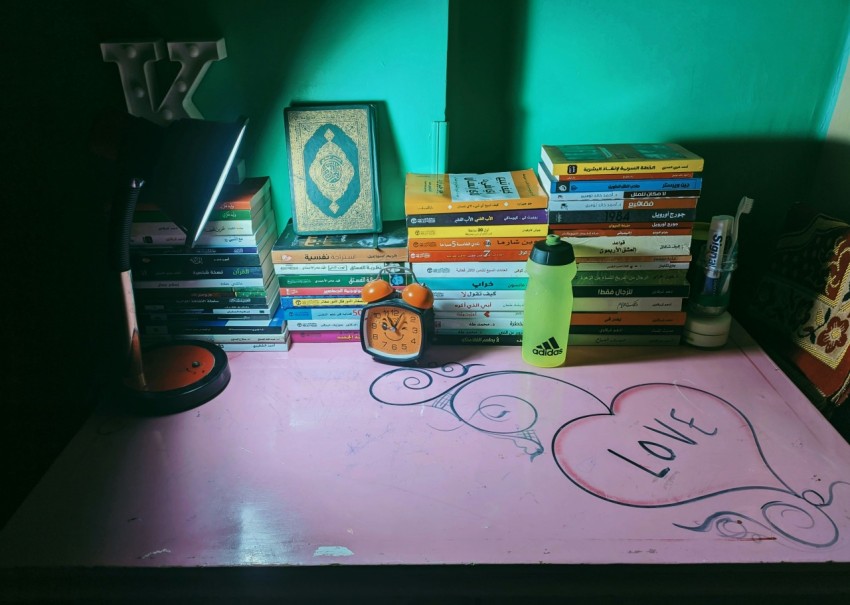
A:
[664, 445]
[657, 445]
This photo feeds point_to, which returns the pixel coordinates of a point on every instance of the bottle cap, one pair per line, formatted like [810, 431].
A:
[552, 251]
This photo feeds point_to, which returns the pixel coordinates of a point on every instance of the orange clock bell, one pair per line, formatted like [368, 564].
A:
[396, 327]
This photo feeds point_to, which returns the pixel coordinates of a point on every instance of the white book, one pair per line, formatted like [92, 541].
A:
[478, 294]
[470, 269]
[478, 322]
[323, 324]
[219, 338]
[639, 303]
[478, 314]
[478, 304]
[631, 245]
[167, 284]
[255, 346]
[332, 268]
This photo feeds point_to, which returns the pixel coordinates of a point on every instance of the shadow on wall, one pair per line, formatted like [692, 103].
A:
[776, 173]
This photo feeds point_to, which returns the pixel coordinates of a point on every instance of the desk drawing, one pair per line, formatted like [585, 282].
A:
[321, 456]
[711, 444]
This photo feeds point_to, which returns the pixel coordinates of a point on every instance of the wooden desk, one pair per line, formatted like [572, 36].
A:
[330, 472]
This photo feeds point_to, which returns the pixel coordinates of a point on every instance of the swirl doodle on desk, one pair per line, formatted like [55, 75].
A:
[507, 414]
[663, 445]
[657, 445]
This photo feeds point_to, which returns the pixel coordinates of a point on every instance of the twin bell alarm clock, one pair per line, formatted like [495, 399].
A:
[396, 327]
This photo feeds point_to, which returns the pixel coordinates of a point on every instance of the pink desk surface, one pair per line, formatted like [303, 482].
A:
[322, 456]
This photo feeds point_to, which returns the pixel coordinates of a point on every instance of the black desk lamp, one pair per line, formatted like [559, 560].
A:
[181, 168]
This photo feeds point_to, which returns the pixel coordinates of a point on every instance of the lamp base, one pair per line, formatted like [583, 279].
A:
[178, 376]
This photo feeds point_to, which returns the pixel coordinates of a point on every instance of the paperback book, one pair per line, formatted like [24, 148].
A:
[619, 158]
[388, 245]
[453, 193]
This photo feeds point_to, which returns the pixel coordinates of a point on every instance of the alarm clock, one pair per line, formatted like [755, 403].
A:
[396, 327]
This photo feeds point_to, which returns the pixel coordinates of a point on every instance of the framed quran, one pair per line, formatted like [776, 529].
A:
[333, 170]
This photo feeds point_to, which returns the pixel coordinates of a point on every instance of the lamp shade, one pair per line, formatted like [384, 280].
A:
[191, 166]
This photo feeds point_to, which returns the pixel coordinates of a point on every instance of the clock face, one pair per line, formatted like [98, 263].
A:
[392, 332]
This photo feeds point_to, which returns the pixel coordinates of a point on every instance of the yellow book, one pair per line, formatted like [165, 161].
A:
[528, 230]
[444, 193]
[619, 158]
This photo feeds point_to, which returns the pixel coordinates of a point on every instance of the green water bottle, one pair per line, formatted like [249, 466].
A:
[548, 302]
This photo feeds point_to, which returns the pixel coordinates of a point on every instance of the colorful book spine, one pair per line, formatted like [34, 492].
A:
[478, 339]
[572, 231]
[221, 338]
[652, 185]
[174, 284]
[481, 314]
[624, 225]
[634, 263]
[630, 277]
[639, 303]
[623, 329]
[317, 280]
[206, 239]
[619, 158]
[582, 290]
[294, 302]
[349, 255]
[629, 216]
[479, 294]
[251, 272]
[477, 323]
[442, 305]
[312, 325]
[322, 291]
[453, 193]
[505, 269]
[486, 254]
[496, 217]
[627, 176]
[247, 226]
[473, 243]
[244, 347]
[624, 340]
[527, 230]
[325, 336]
[475, 283]
[630, 318]
[323, 313]
[333, 268]
[630, 245]
[616, 203]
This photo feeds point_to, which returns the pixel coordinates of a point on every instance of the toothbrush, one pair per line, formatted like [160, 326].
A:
[744, 207]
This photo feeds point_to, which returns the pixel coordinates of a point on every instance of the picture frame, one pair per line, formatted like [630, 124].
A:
[333, 168]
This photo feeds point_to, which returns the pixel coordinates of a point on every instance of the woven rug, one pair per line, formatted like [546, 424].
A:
[802, 305]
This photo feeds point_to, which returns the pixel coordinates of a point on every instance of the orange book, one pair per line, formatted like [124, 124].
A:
[472, 243]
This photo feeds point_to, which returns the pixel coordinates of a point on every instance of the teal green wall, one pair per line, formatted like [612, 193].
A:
[586, 71]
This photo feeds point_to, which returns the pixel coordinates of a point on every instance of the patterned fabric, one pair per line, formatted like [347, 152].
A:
[802, 305]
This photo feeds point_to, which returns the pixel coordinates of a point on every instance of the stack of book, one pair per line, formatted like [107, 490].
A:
[470, 236]
[223, 290]
[628, 210]
[321, 278]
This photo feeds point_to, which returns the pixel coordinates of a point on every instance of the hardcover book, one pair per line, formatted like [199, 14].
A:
[619, 158]
[333, 171]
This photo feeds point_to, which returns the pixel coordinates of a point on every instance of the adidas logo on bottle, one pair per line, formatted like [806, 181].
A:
[548, 348]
